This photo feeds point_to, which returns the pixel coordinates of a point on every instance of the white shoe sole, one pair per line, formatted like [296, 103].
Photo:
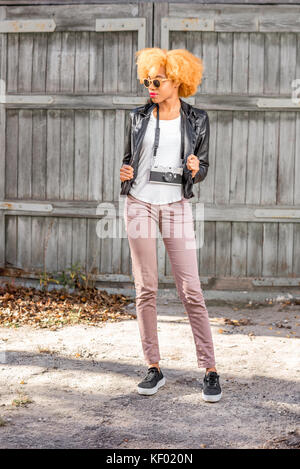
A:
[149, 392]
[211, 398]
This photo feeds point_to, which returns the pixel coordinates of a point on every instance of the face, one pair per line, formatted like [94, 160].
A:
[167, 88]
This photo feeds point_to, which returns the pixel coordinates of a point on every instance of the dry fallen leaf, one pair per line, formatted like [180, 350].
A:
[52, 309]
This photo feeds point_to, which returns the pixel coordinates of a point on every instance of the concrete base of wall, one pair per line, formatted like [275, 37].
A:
[257, 296]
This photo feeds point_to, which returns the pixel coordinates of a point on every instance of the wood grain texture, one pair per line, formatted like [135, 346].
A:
[67, 149]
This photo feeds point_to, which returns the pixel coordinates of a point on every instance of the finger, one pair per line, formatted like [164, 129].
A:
[125, 176]
[126, 171]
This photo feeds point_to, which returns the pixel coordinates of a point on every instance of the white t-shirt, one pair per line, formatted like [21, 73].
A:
[168, 154]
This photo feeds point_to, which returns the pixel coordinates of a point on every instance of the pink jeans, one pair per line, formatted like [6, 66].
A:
[175, 222]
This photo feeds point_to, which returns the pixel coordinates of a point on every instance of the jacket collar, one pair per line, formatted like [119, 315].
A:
[147, 109]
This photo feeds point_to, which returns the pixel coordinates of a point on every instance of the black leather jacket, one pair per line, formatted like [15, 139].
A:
[194, 124]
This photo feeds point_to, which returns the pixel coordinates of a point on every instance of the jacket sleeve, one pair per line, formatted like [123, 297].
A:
[127, 147]
[202, 150]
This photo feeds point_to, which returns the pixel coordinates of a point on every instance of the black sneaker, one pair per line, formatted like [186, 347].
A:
[211, 391]
[153, 380]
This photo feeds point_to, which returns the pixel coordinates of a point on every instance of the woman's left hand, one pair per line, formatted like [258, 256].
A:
[193, 164]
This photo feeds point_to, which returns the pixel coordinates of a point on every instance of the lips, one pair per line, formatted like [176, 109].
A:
[153, 94]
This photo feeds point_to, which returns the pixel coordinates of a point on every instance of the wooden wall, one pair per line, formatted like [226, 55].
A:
[70, 79]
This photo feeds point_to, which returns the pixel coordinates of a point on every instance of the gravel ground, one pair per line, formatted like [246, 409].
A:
[75, 387]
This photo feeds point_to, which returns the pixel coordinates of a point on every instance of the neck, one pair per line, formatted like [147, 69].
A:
[170, 105]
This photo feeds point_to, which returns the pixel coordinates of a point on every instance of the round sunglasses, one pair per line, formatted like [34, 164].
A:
[156, 82]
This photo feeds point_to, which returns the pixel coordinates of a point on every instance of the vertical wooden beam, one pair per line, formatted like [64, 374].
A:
[3, 47]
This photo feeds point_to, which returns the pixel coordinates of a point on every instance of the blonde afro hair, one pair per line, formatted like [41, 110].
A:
[181, 66]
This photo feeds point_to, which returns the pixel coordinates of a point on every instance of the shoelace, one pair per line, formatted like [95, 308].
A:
[212, 378]
[149, 376]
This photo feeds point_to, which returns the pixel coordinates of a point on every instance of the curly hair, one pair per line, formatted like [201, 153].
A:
[181, 66]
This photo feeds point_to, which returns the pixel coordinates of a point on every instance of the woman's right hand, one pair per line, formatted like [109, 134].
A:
[126, 172]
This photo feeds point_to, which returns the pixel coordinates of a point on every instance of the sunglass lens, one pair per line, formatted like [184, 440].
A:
[146, 82]
[156, 83]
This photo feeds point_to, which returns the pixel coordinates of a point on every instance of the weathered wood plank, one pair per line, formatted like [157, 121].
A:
[79, 242]
[109, 152]
[67, 169]
[254, 158]
[24, 154]
[39, 151]
[96, 51]
[3, 78]
[223, 162]
[209, 57]
[254, 249]
[223, 248]
[96, 156]
[25, 62]
[225, 61]
[93, 247]
[27, 26]
[11, 240]
[270, 247]
[270, 156]
[285, 249]
[239, 249]
[24, 234]
[53, 64]
[10, 147]
[239, 158]
[51, 245]
[297, 158]
[81, 84]
[68, 59]
[38, 241]
[12, 62]
[64, 243]
[110, 62]
[288, 61]
[240, 65]
[76, 2]
[256, 63]
[66, 18]
[286, 159]
[81, 162]
[53, 154]
[207, 102]
[272, 63]
[39, 63]
[248, 213]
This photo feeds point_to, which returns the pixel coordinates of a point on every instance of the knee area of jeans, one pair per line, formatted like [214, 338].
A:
[193, 297]
[146, 294]
[192, 289]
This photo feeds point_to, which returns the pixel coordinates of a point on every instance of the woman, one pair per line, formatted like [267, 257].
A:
[157, 179]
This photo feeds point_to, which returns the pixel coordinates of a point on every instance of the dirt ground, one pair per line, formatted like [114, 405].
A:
[75, 387]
